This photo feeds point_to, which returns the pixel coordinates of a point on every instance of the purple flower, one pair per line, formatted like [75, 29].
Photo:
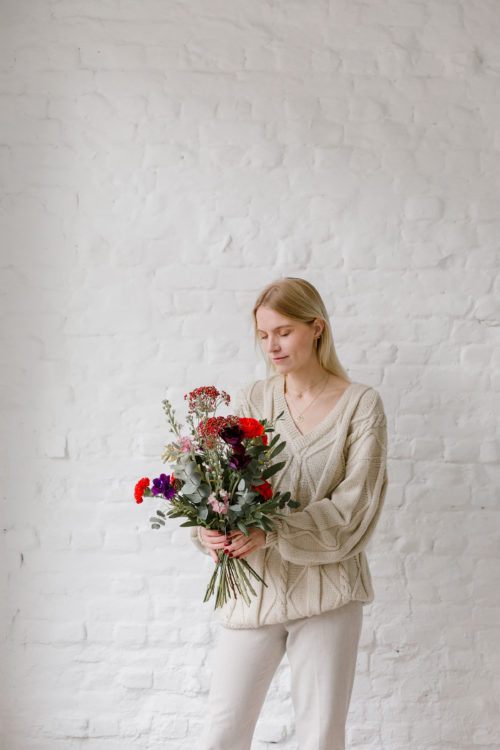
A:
[239, 460]
[163, 486]
[232, 435]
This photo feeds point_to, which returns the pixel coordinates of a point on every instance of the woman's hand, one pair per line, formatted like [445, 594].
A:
[214, 540]
[236, 542]
[242, 545]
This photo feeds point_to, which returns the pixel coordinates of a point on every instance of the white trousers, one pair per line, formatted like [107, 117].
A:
[321, 651]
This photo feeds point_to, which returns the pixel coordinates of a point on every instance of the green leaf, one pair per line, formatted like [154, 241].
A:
[242, 527]
[155, 526]
[188, 489]
[277, 450]
[273, 441]
[160, 513]
[153, 519]
[272, 470]
[192, 498]
[241, 485]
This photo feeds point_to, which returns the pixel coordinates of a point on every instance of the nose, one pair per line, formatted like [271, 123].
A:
[273, 344]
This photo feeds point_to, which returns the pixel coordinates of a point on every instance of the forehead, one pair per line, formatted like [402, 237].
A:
[268, 319]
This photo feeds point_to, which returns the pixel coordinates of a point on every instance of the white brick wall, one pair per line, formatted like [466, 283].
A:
[160, 161]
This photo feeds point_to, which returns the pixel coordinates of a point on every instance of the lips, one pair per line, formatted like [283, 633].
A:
[278, 359]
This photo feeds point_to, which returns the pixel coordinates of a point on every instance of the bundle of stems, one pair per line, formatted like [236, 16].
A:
[232, 579]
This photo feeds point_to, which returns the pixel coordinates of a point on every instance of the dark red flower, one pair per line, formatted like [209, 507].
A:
[212, 427]
[239, 459]
[232, 435]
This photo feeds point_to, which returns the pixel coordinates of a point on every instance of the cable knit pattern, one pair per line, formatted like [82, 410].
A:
[314, 559]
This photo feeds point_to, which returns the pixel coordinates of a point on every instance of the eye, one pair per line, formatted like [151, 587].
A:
[284, 334]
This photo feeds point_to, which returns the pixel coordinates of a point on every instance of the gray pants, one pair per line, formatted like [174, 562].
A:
[321, 651]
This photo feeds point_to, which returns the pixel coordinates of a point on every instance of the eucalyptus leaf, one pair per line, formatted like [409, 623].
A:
[188, 489]
[153, 519]
[277, 450]
[273, 441]
[272, 470]
[248, 497]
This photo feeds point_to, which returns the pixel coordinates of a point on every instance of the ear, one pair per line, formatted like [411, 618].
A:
[319, 326]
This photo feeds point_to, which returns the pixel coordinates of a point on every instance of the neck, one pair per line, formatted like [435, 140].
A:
[299, 380]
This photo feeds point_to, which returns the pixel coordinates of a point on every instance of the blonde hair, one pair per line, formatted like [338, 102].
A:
[299, 300]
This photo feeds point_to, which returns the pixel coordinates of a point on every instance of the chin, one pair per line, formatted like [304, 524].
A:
[282, 366]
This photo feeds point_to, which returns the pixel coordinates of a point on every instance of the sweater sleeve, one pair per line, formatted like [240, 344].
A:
[335, 528]
[239, 409]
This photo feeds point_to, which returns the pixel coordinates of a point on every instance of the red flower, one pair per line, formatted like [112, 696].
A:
[252, 428]
[264, 489]
[139, 489]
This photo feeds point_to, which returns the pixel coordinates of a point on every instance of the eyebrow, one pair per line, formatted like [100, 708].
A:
[275, 329]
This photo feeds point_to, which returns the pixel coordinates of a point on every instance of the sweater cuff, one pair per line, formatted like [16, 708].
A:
[198, 534]
[271, 538]
[197, 540]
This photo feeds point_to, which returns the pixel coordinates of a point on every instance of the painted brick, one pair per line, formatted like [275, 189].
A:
[160, 163]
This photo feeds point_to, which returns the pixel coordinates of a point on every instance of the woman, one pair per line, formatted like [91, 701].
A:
[313, 561]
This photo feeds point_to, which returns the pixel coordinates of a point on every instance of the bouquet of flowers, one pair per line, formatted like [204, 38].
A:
[221, 472]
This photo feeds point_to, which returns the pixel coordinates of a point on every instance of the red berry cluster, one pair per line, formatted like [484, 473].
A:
[206, 398]
[211, 428]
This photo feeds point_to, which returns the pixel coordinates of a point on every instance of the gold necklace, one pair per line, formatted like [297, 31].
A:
[300, 417]
[301, 393]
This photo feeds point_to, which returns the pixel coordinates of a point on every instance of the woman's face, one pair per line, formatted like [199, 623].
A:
[288, 343]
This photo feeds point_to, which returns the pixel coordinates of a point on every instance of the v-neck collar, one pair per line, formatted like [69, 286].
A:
[321, 428]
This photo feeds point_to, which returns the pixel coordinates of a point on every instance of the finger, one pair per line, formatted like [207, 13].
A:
[211, 541]
[244, 551]
[243, 548]
[216, 545]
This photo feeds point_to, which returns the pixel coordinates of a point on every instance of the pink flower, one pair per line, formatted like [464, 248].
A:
[185, 443]
[220, 506]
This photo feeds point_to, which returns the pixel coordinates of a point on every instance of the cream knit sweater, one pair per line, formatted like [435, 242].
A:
[314, 560]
